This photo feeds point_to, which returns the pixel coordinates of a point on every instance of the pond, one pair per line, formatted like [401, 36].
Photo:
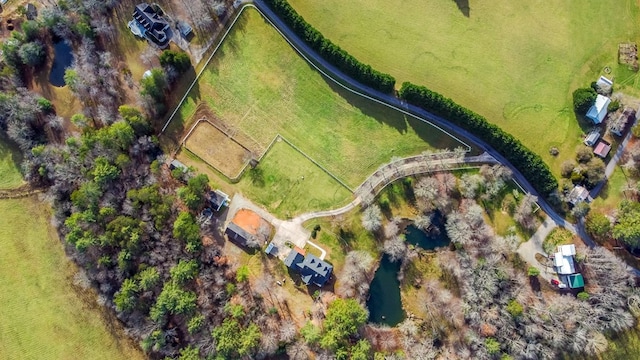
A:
[61, 61]
[435, 238]
[384, 303]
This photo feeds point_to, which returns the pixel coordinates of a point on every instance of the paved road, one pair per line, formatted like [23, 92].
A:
[390, 172]
[391, 101]
[529, 249]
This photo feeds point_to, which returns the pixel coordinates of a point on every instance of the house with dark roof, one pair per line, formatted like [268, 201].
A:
[248, 229]
[237, 234]
[149, 24]
[217, 199]
[312, 269]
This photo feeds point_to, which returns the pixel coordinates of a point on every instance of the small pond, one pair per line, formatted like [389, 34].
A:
[384, 303]
[435, 238]
[61, 61]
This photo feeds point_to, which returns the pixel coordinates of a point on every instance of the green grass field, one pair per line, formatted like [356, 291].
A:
[278, 184]
[514, 62]
[259, 85]
[43, 315]
[10, 159]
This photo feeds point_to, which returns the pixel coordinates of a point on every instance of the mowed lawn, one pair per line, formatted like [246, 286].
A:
[43, 316]
[259, 85]
[10, 158]
[515, 62]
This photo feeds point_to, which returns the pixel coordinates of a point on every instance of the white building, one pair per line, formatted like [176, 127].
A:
[598, 111]
[563, 259]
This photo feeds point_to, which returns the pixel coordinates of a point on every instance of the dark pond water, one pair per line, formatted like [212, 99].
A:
[61, 61]
[384, 304]
[435, 238]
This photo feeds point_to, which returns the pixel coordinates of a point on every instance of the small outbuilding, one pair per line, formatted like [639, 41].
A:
[175, 164]
[604, 85]
[592, 137]
[31, 12]
[184, 29]
[598, 111]
[602, 149]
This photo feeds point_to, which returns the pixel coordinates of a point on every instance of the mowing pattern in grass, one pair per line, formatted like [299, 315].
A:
[43, 315]
[259, 86]
[10, 176]
[288, 184]
[515, 63]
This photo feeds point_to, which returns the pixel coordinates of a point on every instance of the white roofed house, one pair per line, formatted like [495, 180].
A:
[598, 111]
[563, 259]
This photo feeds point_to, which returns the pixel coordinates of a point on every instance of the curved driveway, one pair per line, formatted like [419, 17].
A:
[391, 101]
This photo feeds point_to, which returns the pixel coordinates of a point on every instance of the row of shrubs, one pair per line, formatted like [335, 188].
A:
[526, 161]
[331, 52]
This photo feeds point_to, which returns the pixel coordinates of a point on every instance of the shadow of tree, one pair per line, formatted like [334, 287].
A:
[463, 6]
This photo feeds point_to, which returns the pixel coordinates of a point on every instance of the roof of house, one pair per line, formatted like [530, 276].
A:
[598, 111]
[156, 27]
[618, 125]
[592, 138]
[602, 149]
[270, 248]
[567, 250]
[604, 83]
[577, 194]
[294, 259]
[218, 199]
[564, 263]
[184, 28]
[237, 234]
[576, 281]
[177, 164]
[314, 270]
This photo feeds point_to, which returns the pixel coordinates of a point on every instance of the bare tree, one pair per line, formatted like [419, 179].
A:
[372, 218]
[395, 248]
[524, 213]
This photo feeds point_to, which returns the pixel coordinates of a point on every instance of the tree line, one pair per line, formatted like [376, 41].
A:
[331, 52]
[526, 161]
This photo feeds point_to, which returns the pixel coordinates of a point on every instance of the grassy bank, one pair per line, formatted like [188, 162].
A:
[10, 159]
[43, 315]
[258, 85]
[491, 58]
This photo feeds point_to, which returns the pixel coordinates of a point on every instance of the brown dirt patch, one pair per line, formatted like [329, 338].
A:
[249, 221]
[217, 149]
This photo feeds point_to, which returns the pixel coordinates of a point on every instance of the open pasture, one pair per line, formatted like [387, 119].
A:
[260, 87]
[45, 313]
[514, 62]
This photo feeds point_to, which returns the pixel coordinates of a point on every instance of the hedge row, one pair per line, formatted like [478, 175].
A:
[331, 52]
[527, 162]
